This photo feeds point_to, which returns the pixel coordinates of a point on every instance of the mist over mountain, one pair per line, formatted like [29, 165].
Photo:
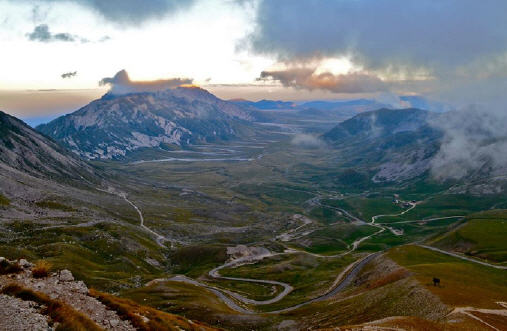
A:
[397, 144]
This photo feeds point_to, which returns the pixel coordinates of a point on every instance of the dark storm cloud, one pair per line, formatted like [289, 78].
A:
[69, 74]
[121, 84]
[307, 78]
[383, 32]
[129, 11]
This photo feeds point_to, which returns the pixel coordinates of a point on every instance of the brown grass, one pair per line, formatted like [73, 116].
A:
[41, 269]
[389, 278]
[7, 267]
[157, 320]
[67, 317]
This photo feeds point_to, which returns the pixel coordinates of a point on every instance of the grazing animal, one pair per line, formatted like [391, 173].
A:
[436, 281]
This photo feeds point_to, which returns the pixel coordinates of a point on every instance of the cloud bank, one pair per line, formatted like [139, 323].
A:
[475, 139]
[308, 78]
[121, 84]
[383, 32]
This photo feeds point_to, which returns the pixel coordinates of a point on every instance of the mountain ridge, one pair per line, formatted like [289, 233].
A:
[116, 124]
[25, 149]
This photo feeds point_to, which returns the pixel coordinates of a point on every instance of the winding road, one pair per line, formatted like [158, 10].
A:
[343, 280]
[412, 206]
[158, 237]
[286, 287]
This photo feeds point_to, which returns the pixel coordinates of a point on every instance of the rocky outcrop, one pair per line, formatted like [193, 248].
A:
[59, 286]
[44, 303]
[19, 315]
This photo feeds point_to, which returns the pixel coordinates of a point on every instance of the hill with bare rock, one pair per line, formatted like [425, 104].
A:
[26, 150]
[38, 299]
[116, 124]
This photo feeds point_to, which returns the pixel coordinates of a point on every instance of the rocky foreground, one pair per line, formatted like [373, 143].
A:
[35, 299]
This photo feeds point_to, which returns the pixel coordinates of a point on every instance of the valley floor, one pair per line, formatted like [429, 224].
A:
[268, 235]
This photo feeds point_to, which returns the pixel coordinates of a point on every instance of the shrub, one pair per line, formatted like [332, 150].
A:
[41, 269]
[7, 267]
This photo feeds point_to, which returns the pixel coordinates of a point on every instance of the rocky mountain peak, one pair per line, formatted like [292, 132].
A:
[112, 126]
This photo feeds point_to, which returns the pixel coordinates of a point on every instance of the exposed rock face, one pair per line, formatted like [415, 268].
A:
[113, 125]
[60, 286]
[60, 289]
[19, 315]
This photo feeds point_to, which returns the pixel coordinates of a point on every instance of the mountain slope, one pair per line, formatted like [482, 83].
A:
[113, 125]
[396, 144]
[28, 151]
[264, 104]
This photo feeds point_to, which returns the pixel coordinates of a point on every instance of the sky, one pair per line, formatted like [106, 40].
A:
[57, 55]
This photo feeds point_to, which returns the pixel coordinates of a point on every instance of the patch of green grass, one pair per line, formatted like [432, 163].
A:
[255, 291]
[337, 238]
[446, 205]
[105, 256]
[49, 204]
[4, 201]
[463, 283]
[196, 260]
[188, 300]
[484, 235]
[326, 215]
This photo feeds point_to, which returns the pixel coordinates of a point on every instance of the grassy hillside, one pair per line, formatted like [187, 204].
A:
[483, 236]
[463, 283]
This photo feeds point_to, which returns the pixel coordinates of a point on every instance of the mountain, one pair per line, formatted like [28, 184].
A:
[26, 150]
[394, 144]
[116, 124]
[379, 123]
[264, 104]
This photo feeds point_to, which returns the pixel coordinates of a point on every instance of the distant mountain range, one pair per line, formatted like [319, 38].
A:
[358, 105]
[114, 125]
[264, 104]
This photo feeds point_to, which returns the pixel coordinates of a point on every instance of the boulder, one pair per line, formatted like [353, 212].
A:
[65, 276]
[25, 264]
